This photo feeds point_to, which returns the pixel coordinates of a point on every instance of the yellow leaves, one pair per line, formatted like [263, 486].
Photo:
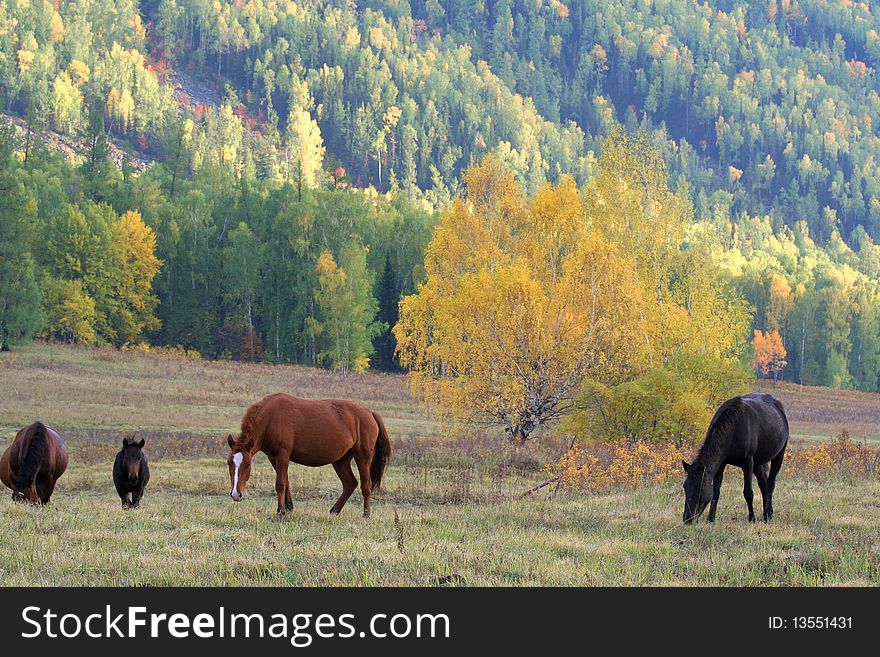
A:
[79, 72]
[560, 8]
[781, 302]
[330, 276]
[620, 465]
[392, 116]
[839, 457]
[524, 298]
[377, 38]
[56, 28]
[25, 59]
[770, 352]
[521, 300]
[138, 265]
[120, 106]
[66, 101]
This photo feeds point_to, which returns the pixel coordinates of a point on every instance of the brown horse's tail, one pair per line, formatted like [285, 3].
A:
[382, 455]
[33, 458]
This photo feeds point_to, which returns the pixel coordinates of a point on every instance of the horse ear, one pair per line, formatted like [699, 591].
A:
[141, 443]
[250, 444]
[125, 442]
[230, 441]
[685, 465]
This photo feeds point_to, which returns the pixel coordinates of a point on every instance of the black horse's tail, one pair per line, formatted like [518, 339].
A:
[382, 456]
[33, 458]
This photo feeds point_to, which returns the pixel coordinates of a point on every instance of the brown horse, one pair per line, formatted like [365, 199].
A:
[32, 464]
[311, 433]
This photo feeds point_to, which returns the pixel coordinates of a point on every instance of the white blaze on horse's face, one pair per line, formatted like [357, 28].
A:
[236, 461]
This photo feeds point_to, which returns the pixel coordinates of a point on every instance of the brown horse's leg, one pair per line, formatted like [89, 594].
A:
[349, 483]
[363, 464]
[46, 489]
[281, 484]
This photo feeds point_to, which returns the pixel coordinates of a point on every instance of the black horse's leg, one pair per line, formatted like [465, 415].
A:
[748, 469]
[716, 492]
[123, 494]
[775, 466]
[137, 494]
[349, 482]
[761, 476]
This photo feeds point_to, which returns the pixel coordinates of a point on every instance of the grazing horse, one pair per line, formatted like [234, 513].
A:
[311, 433]
[749, 432]
[32, 464]
[131, 472]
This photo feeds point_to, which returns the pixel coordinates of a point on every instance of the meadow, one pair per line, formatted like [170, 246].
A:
[451, 512]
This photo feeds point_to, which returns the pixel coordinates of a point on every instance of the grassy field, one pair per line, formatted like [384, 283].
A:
[451, 511]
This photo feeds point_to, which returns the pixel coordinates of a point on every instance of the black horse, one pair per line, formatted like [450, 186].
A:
[130, 472]
[749, 432]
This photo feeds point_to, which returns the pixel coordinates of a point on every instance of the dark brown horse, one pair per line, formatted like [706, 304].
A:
[749, 432]
[311, 433]
[32, 464]
[131, 473]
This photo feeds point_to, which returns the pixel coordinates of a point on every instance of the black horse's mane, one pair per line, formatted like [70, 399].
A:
[33, 458]
[724, 420]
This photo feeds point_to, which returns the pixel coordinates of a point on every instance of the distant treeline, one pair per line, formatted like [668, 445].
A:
[232, 267]
[260, 234]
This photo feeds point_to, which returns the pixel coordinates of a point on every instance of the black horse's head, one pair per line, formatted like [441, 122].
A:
[697, 491]
[132, 455]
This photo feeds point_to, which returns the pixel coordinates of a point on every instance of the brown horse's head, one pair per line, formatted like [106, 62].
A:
[132, 456]
[239, 463]
[25, 494]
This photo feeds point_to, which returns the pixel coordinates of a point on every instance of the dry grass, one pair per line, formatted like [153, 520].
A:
[818, 414]
[101, 388]
[450, 512]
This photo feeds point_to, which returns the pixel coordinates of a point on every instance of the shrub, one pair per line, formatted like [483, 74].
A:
[842, 457]
[618, 465]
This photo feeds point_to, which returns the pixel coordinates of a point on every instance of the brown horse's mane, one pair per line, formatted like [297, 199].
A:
[249, 421]
[722, 423]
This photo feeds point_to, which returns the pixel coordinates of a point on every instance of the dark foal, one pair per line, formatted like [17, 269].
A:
[130, 472]
[749, 432]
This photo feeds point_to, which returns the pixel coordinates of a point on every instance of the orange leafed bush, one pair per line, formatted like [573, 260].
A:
[842, 457]
[619, 464]
[174, 353]
[623, 464]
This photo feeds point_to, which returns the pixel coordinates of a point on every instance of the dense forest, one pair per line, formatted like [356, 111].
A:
[302, 152]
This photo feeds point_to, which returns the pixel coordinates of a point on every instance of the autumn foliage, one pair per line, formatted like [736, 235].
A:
[526, 299]
[618, 465]
[769, 352]
[841, 457]
[522, 301]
